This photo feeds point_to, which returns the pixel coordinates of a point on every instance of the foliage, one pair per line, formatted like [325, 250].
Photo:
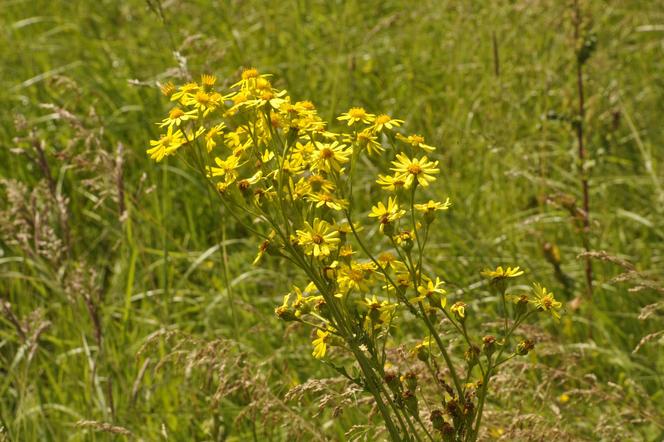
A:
[104, 255]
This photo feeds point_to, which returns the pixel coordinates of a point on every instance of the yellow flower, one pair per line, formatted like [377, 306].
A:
[166, 145]
[432, 290]
[417, 141]
[545, 301]
[356, 114]
[416, 170]
[391, 183]
[204, 101]
[355, 276]
[227, 168]
[365, 139]
[176, 116]
[208, 80]
[185, 92]
[167, 89]
[379, 312]
[318, 239]
[433, 206]
[328, 200]
[330, 156]
[385, 122]
[459, 309]
[320, 344]
[387, 215]
[501, 273]
[211, 134]
[249, 78]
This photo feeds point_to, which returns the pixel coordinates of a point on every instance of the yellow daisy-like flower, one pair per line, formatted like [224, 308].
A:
[459, 310]
[365, 139]
[379, 312]
[415, 170]
[501, 273]
[384, 121]
[545, 301]
[318, 239]
[387, 214]
[185, 92]
[356, 114]
[226, 168]
[208, 80]
[330, 156]
[166, 145]
[320, 343]
[211, 135]
[176, 116]
[433, 206]
[328, 200]
[391, 183]
[204, 101]
[432, 290]
[417, 141]
[354, 276]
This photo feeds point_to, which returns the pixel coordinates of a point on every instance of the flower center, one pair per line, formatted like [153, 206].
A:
[317, 239]
[415, 169]
[249, 73]
[326, 153]
[417, 139]
[202, 98]
[382, 119]
[176, 112]
[357, 112]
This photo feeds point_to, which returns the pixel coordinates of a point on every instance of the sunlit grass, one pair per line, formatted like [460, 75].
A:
[161, 263]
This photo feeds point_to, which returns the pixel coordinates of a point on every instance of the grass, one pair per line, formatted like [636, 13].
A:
[153, 321]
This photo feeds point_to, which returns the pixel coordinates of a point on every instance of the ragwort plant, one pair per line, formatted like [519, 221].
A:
[288, 178]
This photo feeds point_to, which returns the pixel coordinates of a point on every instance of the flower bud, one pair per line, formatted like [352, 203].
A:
[330, 273]
[524, 347]
[374, 315]
[322, 308]
[447, 432]
[393, 381]
[410, 400]
[489, 345]
[411, 380]
[472, 355]
[521, 306]
[285, 313]
[388, 228]
[437, 420]
[459, 310]
[422, 352]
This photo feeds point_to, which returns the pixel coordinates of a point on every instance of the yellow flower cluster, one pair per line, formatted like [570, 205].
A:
[288, 177]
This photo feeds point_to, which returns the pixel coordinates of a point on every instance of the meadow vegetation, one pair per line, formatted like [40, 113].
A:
[129, 304]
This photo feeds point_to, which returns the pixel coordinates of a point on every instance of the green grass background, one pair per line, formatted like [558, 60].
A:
[431, 63]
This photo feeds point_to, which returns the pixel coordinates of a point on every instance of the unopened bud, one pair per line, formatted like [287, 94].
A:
[489, 345]
[411, 380]
[285, 313]
[472, 355]
[410, 400]
[392, 380]
[524, 347]
[437, 420]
